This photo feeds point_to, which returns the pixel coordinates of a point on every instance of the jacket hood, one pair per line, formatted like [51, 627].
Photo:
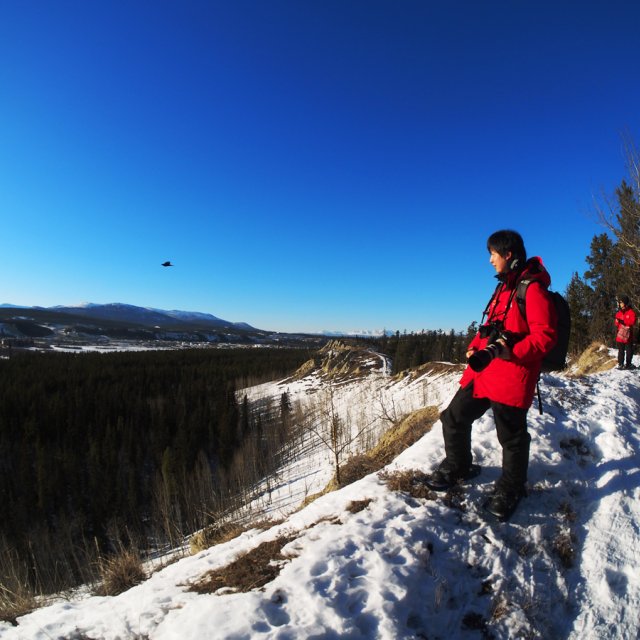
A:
[533, 270]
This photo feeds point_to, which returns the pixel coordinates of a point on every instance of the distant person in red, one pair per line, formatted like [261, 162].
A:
[625, 321]
[504, 361]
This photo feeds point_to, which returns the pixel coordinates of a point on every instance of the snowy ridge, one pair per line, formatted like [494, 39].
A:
[566, 566]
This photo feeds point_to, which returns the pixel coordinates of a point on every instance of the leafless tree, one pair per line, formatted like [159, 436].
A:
[330, 428]
[620, 215]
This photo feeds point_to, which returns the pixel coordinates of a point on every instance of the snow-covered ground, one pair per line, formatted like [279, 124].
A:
[566, 566]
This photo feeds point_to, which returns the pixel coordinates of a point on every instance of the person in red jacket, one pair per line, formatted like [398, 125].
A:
[504, 362]
[625, 321]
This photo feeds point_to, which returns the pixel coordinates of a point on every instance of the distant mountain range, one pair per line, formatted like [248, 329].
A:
[118, 320]
[150, 317]
[106, 324]
[141, 316]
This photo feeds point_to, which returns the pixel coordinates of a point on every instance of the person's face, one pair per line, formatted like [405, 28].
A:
[621, 304]
[499, 263]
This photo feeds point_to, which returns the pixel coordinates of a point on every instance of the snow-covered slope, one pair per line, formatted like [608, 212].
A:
[566, 566]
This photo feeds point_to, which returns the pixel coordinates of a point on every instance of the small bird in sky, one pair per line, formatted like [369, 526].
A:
[167, 264]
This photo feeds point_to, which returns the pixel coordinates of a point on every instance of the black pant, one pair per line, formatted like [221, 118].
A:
[625, 349]
[511, 427]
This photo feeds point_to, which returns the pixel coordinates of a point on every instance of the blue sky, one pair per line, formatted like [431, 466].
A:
[306, 165]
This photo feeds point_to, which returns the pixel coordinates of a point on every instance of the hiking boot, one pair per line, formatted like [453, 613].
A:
[620, 366]
[503, 502]
[445, 477]
[630, 366]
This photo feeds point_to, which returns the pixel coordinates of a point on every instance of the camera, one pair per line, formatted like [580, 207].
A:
[494, 331]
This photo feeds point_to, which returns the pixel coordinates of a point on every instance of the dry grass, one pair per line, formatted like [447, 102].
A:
[411, 482]
[215, 534]
[564, 547]
[500, 607]
[400, 437]
[594, 359]
[355, 468]
[250, 571]
[16, 602]
[567, 512]
[120, 572]
[356, 506]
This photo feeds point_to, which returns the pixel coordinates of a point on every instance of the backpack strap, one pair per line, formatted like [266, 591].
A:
[491, 299]
[521, 296]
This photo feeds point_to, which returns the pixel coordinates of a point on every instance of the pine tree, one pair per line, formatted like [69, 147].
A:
[604, 275]
[579, 296]
[627, 233]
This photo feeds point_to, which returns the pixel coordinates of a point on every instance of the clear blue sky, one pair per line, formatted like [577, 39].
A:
[306, 165]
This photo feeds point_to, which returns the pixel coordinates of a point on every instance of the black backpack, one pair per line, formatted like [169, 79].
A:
[556, 359]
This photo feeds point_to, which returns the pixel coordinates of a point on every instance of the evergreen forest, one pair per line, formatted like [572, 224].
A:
[100, 450]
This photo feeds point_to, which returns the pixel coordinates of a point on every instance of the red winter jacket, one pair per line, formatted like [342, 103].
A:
[513, 382]
[626, 318]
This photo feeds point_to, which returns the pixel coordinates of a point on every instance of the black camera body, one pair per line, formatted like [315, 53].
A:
[494, 331]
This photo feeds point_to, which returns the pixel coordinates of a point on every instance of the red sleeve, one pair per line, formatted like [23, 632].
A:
[631, 317]
[542, 321]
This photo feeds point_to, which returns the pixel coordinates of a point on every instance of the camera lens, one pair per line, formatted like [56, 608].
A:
[480, 360]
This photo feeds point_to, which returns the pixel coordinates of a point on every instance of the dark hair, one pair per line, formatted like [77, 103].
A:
[624, 300]
[506, 241]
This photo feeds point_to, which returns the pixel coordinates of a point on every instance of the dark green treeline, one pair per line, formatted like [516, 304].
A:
[92, 444]
[413, 349]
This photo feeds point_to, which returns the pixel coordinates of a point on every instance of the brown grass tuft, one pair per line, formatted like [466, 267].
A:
[251, 571]
[356, 506]
[355, 468]
[215, 534]
[120, 572]
[408, 432]
[411, 482]
[16, 602]
[594, 359]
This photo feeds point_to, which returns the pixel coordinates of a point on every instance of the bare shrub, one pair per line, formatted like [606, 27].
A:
[392, 444]
[250, 571]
